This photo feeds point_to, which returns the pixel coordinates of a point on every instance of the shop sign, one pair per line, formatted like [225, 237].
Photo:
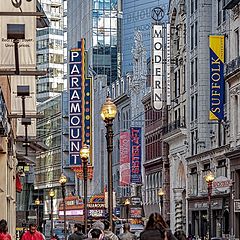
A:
[222, 184]
[237, 205]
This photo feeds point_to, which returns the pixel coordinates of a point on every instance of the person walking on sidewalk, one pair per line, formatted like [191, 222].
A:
[77, 235]
[156, 229]
[32, 233]
[126, 235]
[4, 235]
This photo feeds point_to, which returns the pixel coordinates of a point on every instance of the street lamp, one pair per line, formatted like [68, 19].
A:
[127, 203]
[209, 179]
[84, 154]
[37, 203]
[51, 195]
[62, 181]
[108, 114]
[161, 194]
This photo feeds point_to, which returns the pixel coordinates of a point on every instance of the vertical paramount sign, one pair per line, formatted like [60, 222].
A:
[76, 105]
[157, 66]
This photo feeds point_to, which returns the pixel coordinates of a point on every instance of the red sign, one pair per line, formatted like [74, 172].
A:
[124, 158]
[79, 171]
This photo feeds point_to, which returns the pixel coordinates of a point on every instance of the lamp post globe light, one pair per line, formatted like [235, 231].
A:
[108, 114]
[209, 179]
[51, 195]
[127, 204]
[62, 181]
[161, 194]
[84, 154]
[37, 203]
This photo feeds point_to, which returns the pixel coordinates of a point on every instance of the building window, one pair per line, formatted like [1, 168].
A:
[219, 9]
[192, 108]
[192, 6]
[196, 69]
[196, 140]
[192, 36]
[224, 11]
[176, 84]
[196, 106]
[221, 169]
[196, 34]
[237, 42]
[192, 143]
[206, 169]
[194, 181]
[192, 72]
[184, 78]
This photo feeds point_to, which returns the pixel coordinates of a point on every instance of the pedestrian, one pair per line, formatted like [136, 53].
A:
[156, 229]
[4, 235]
[96, 234]
[107, 233]
[32, 233]
[127, 235]
[77, 235]
[180, 235]
[96, 225]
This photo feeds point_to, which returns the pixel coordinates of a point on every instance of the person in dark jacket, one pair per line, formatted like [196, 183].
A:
[156, 229]
[180, 235]
[77, 235]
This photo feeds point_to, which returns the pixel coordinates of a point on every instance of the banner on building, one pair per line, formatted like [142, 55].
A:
[216, 45]
[135, 154]
[124, 158]
[157, 66]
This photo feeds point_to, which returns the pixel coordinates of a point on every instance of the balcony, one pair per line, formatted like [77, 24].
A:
[233, 66]
[179, 123]
[229, 4]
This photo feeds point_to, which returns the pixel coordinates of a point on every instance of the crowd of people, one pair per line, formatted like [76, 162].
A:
[156, 229]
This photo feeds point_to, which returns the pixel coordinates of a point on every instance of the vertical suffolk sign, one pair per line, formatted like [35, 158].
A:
[76, 90]
[216, 45]
[157, 66]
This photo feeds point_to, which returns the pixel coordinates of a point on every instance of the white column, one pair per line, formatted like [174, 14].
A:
[237, 118]
[232, 118]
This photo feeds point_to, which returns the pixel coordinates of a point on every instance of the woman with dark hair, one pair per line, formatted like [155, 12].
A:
[3, 230]
[156, 229]
[180, 235]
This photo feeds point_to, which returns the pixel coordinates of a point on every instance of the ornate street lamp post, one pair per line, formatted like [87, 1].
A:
[62, 181]
[84, 154]
[51, 195]
[127, 204]
[108, 114]
[37, 203]
[209, 179]
[161, 194]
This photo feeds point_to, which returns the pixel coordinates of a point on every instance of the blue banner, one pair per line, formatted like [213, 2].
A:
[135, 154]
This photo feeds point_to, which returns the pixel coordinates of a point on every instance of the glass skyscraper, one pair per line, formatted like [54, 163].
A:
[98, 21]
[137, 17]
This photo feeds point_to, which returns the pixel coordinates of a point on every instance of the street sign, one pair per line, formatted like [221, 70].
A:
[222, 183]
[237, 205]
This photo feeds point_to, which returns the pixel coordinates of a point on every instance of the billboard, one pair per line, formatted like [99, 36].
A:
[216, 45]
[168, 64]
[26, 45]
[135, 154]
[157, 66]
[124, 158]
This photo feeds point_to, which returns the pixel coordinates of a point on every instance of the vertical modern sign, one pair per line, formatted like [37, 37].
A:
[216, 45]
[157, 66]
[135, 154]
[168, 64]
[76, 92]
